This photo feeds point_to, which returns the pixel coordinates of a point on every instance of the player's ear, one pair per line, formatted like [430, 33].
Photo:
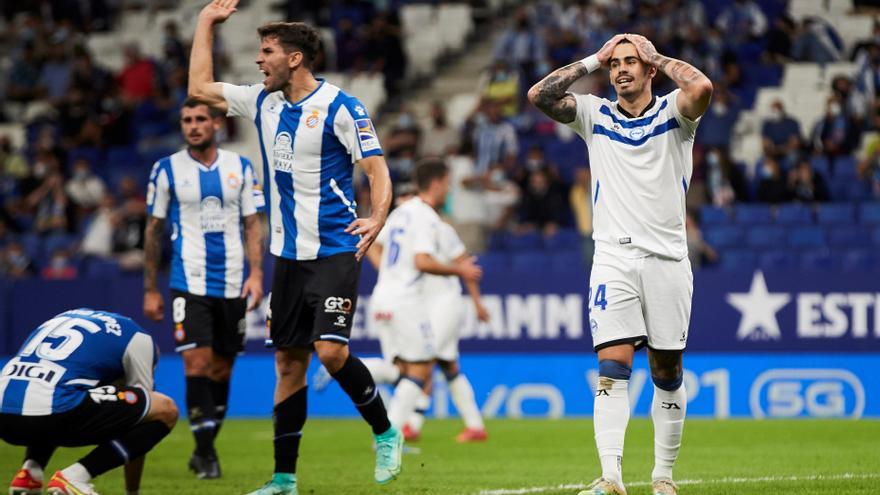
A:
[652, 71]
[294, 59]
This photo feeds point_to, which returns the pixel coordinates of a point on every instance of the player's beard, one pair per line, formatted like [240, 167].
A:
[201, 147]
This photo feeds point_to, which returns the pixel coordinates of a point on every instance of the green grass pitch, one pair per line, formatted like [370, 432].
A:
[524, 456]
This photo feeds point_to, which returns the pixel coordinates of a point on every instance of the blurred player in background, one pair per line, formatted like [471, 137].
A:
[209, 196]
[446, 314]
[409, 249]
[311, 136]
[84, 377]
[641, 152]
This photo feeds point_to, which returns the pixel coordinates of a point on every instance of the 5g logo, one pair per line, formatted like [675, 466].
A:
[787, 393]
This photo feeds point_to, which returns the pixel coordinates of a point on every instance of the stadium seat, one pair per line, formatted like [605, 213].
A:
[756, 214]
[567, 261]
[724, 236]
[565, 239]
[98, 268]
[844, 167]
[869, 213]
[807, 237]
[778, 259]
[498, 241]
[766, 236]
[713, 215]
[737, 260]
[123, 156]
[524, 242]
[529, 261]
[820, 166]
[794, 214]
[858, 260]
[875, 238]
[494, 262]
[849, 236]
[836, 214]
[56, 242]
[818, 259]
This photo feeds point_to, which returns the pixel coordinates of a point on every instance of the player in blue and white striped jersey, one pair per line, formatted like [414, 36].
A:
[55, 393]
[209, 197]
[311, 135]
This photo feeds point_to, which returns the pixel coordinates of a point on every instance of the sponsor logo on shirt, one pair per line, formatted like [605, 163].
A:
[46, 372]
[367, 134]
[282, 153]
[212, 217]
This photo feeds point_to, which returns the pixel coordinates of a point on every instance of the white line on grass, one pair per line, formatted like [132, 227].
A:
[719, 481]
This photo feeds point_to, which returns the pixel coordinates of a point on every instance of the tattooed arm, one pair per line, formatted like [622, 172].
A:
[153, 304]
[696, 88]
[550, 95]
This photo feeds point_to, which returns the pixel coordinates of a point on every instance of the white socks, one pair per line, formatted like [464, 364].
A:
[403, 404]
[77, 473]
[34, 469]
[382, 370]
[668, 411]
[417, 419]
[463, 397]
[610, 417]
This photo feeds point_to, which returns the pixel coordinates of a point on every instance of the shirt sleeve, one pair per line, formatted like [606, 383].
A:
[583, 122]
[425, 237]
[382, 238]
[242, 100]
[451, 244]
[158, 191]
[138, 361]
[355, 130]
[687, 125]
[252, 200]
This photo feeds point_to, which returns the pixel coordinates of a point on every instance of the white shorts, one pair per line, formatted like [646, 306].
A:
[447, 315]
[403, 329]
[642, 301]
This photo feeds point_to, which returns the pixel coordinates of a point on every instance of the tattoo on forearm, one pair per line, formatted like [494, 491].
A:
[152, 251]
[682, 73]
[550, 96]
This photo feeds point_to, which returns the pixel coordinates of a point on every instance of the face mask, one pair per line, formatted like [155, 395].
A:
[405, 120]
[777, 114]
[59, 263]
[80, 174]
[712, 159]
[39, 170]
[534, 163]
[834, 109]
[766, 172]
[720, 109]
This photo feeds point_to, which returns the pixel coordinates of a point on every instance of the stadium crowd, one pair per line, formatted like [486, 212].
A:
[521, 183]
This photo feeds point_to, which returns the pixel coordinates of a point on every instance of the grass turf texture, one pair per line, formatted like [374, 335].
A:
[336, 458]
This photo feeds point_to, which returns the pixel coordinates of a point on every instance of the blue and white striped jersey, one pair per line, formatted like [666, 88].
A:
[72, 353]
[205, 206]
[309, 149]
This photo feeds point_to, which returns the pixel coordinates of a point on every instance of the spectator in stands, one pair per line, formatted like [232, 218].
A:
[12, 163]
[699, 251]
[580, 199]
[780, 39]
[837, 134]
[440, 139]
[726, 183]
[742, 20]
[818, 42]
[773, 187]
[23, 78]
[501, 195]
[15, 262]
[467, 203]
[868, 75]
[73, 113]
[98, 237]
[716, 126]
[781, 134]
[137, 79]
[92, 80]
[384, 51]
[494, 138]
[173, 48]
[60, 267]
[349, 46]
[541, 205]
[853, 103]
[128, 233]
[48, 201]
[55, 73]
[85, 189]
[502, 85]
[806, 185]
[524, 47]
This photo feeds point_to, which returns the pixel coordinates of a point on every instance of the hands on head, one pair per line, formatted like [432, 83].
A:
[646, 50]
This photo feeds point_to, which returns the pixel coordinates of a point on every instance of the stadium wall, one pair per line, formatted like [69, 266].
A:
[761, 344]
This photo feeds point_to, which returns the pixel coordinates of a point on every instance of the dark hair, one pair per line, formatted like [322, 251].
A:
[193, 103]
[294, 36]
[428, 170]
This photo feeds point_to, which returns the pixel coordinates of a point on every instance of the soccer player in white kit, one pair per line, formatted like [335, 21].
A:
[398, 307]
[641, 283]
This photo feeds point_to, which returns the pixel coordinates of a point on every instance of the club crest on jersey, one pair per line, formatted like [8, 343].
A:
[233, 180]
[367, 134]
[312, 120]
[179, 333]
[637, 133]
[282, 151]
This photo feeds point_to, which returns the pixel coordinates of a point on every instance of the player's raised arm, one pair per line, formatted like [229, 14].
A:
[550, 94]
[696, 88]
[368, 228]
[201, 62]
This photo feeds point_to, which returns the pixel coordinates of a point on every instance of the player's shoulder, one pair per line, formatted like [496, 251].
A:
[109, 322]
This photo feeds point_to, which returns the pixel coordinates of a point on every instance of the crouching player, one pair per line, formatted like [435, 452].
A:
[84, 377]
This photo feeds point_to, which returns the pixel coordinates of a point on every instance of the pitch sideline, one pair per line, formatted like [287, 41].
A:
[720, 481]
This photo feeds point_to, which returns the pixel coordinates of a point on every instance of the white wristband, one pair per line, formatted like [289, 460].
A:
[591, 63]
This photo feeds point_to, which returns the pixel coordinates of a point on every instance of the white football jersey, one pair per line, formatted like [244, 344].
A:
[411, 229]
[641, 168]
[449, 247]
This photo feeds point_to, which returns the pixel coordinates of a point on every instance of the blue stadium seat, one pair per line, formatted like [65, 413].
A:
[32, 244]
[724, 236]
[875, 238]
[778, 259]
[858, 260]
[494, 262]
[123, 156]
[92, 155]
[820, 166]
[713, 215]
[98, 268]
[807, 237]
[524, 242]
[794, 214]
[836, 213]
[765, 236]
[849, 236]
[756, 214]
[529, 261]
[498, 241]
[565, 239]
[58, 241]
[870, 213]
[567, 261]
[818, 259]
[737, 260]
[844, 167]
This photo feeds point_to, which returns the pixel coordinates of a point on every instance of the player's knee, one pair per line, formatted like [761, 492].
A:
[221, 370]
[196, 362]
[163, 409]
[332, 355]
[450, 369]
[667, 382]
[615, 370]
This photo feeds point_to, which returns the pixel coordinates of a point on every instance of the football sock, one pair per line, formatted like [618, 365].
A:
[35, 469]
[611, 412]
[667, 411]
[417, 419]
[463, 397]
[220, 393]
[36, 458]
[288, 419]
[137, 442]
[200, 405]
[357, 382]
[406, 396]
[381, 370]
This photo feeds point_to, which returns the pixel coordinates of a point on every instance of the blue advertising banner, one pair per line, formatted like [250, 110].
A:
[561, 385]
